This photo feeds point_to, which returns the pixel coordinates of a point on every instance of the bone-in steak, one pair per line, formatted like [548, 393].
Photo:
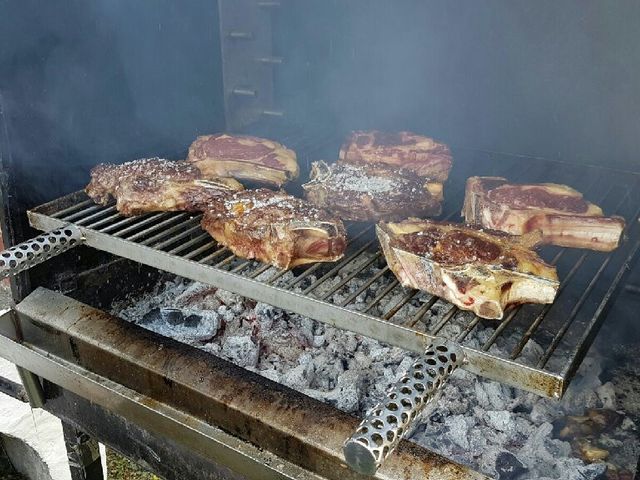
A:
[156, 185]
[275, 228]
[474, 269]
[561, 213]
[244, 157]
[371, 192]
[402, 150]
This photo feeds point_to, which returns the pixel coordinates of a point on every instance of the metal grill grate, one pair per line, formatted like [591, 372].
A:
[545, 343]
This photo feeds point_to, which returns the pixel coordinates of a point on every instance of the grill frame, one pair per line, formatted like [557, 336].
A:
[154, 240]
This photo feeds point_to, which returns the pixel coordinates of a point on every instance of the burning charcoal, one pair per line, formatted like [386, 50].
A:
[589, 452]
[192, 321]
[508, 467]
[596, 421]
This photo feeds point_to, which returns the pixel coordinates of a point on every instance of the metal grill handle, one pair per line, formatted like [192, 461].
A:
[394, 418]
[39, 249]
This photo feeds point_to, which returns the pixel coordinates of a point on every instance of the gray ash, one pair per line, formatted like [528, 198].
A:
[496, 429]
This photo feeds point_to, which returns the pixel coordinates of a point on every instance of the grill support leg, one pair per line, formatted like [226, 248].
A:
[83, 454]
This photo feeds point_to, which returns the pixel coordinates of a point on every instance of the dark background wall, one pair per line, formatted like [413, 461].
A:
[559, 79]
[105, 81]
[111, 80]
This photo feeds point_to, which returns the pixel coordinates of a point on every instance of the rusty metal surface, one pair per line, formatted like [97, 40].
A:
[297, 428]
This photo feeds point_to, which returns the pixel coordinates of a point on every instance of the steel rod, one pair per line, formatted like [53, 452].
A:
[366, 285]
[176, 228]
[125, 221]
[422, 311]
[241, 267]
[263, 268]
[403, 301]
[93, 216]
[83, 212]
[72, 208]
[199, 250]
[184, 234]
[331, 273]
[189, 244]
[216, 254]
[153, 228]
[226, 261]
[543, 313]
[558, 336]
[334, 289]
[137, 223]
[381, 295]
[103, 221]
[448, 316]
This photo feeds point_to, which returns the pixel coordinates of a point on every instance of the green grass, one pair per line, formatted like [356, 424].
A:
[121, 468]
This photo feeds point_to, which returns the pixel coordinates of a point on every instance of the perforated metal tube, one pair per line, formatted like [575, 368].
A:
[389, 421]
[38, 249]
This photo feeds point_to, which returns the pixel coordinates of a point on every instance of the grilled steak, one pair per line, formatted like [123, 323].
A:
[371, 192]
[275, 228]
[421, 155]
[156, 185]
[244, 157]
[474, 269]
[563, 216]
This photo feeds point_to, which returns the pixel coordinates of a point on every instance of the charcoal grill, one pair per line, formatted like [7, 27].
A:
[176, 243]
[303, 75]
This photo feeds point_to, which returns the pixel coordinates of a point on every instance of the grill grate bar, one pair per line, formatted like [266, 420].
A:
[226, 261]
[331, 273]
[165, 233]
[353, 274]
[366, 285]
[381, 295]
[216, 254]
[260, 270]
[101, 212]
[403, 301]
[199, 250]
[72, 208]
[135, 224]
[448, 316]
[189, 244]
[103, 221]
[127, 221]
[543, 313]
[242, 266]
[184, 234]
[558, 337]
[80, 214]
[153, 228]
[583, 298]
[422, 311]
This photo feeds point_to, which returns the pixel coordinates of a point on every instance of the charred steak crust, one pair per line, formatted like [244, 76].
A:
[561, 213]
[472, 268]
[244, 157]
[155, 184]
[419, 154]
[370, 192]
[275, 228]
